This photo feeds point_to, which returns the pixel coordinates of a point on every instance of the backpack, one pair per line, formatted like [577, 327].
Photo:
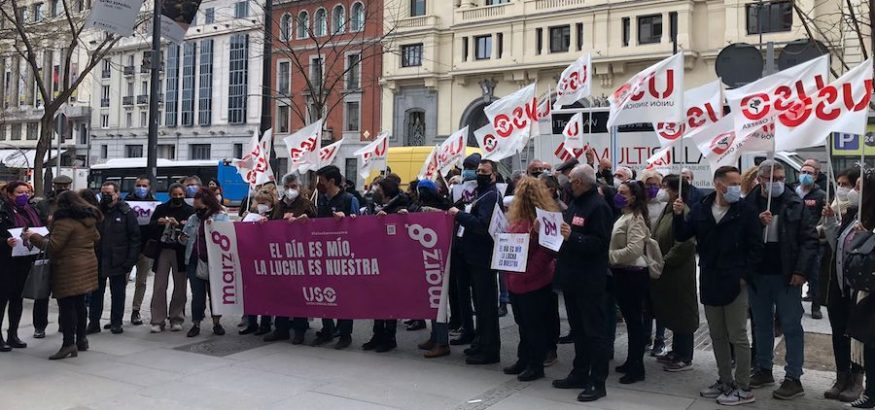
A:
[860, 263]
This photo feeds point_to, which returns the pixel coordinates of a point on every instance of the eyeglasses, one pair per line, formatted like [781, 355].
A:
[807, 172]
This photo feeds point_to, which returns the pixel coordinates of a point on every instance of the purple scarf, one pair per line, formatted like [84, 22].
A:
[201, 241]
[25, 216]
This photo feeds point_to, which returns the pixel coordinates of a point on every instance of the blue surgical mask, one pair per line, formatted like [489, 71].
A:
[777, 189]
[191, 190]
[141, 192]
[469, 175]
[733, 194]
[806, 179]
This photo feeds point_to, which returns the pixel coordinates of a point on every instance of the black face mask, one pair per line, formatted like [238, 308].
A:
[484, 181]
[176, 202]
[105, 201]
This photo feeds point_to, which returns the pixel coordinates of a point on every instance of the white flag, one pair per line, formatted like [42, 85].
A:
[328, 153]
[703, 106]
[430, 167]
[758, 103]
[842, 106]
[720, 145]
[513, 116]
[373, 155]
[451, 152]
[254, 166]
[544, 117]
[653, 95]
[494, 147]
[575, 82]
[573, 132]
[303, 148]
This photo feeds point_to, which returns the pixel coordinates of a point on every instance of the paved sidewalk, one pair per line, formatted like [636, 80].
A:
[139, 370]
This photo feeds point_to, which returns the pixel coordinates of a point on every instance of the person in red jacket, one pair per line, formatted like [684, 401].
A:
[531, 291]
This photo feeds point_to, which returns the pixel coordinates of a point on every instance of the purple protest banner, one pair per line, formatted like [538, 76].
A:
[373, 267]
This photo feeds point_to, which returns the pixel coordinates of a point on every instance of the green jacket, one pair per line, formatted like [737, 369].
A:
[674, 294]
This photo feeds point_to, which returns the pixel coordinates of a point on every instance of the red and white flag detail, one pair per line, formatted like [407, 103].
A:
[431, 167]
[513, 116]
[758, 103]
[373, 155]
[719, 144]
[254, 166]
[451, 152]
[653, 95]
[575, 82]
[303, 148]
[494, 147]
[573, 132]
[328, 153]
[703, 105]
[841, 106]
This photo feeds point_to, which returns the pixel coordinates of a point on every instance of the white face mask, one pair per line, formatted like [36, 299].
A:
[262, 208]
[854, 197]
[662, 195]
[842, 193]
[617, 182]
[292, 194]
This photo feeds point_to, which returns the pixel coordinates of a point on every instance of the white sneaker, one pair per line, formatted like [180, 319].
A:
[736, 397]
[715, 390]
[175, 327]
[155, 329]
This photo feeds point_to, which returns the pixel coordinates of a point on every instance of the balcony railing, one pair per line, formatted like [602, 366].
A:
[554, 4]
[129, 70]
[104, 102]
[417, 22]
[145, 69]
[143, 99]
[128, 100]
[106, 74]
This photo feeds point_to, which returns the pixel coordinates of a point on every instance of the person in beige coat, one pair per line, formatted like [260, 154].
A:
[631, 277]
[70, 245]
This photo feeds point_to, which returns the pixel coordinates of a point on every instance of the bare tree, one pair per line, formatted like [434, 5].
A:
[30, 39]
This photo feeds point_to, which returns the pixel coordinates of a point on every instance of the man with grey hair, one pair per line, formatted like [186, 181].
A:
[581, 274]
[695, 194]
[819, 177]
[622, 175]
[790, 235]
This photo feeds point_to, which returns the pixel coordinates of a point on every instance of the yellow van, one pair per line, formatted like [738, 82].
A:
[407, 162]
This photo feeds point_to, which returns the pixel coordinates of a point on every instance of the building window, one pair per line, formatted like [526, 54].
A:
[238, 82]
[560, 39]
[166, 151]
[104, 151]
[133, 151]
[464, 48]
[241, 9]
[104, 96]
[357, 17]
[54, 8]
[38, 12]
[209, 15]
[303, 24]
[769, 17]
[579, 29]
[320, 23]
[539, 40]
[205, 91]
[285, 27]
[500, 41]
[338, 19]
[650, 29]
[316, 72]
[411, 55]
[104, 121]
[188, 66]
[415, 128]
[172, 92]
[350, 166]
[198, 151]
[144, 88]
[130, 89]
[129, 120]
[417, 8]
[282, 118]
[144, 119]
[284, 78]
[627, 31]
[353, 71]
[15, 132]
[32, 130]
[238, 151]
[483, 47]
[352, 114]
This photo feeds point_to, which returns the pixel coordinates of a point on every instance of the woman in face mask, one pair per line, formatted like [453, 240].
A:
[656, 204]
[207, 210]
[166, 224]
[15, 212]
[263, 208]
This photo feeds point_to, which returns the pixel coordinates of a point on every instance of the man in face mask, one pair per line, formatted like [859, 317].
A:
[476, 249]
[729, 242]
[192, 185]
[117, 253]
[791, 241]
[814, 199]
[142, 192]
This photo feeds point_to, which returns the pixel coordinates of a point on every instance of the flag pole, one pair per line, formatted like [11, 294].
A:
[771, 182]
[862, 174]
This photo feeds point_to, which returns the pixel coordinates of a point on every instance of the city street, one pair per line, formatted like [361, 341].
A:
[139, 370]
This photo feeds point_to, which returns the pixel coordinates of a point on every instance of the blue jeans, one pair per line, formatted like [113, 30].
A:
[771, 293]
[200, 291]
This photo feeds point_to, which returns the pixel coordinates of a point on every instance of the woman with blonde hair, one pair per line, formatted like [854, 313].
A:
[749, 180]
[531, 291]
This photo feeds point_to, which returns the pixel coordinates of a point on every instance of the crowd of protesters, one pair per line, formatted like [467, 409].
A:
[754, 243]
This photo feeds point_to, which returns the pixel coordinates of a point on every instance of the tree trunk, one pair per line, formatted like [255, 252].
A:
[42, 146]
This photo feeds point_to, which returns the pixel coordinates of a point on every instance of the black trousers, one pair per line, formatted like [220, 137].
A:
[682, 345]
[41, 314]
[588, 317]
[385, 329]
[12, 281]
[869, 358]
[117, 286]
[342, 328]
[484, 283]
[529, 311]
[298, 324]
[632, 287]
[839, 309]
[252, 321]
[554, 321]
[72, 315]
[460, 278]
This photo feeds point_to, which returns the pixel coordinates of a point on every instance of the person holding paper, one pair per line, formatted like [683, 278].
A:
[581, 274]
[167, 221]
[15, 212]
[674, 294]
[476, 246]
[531, 292]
